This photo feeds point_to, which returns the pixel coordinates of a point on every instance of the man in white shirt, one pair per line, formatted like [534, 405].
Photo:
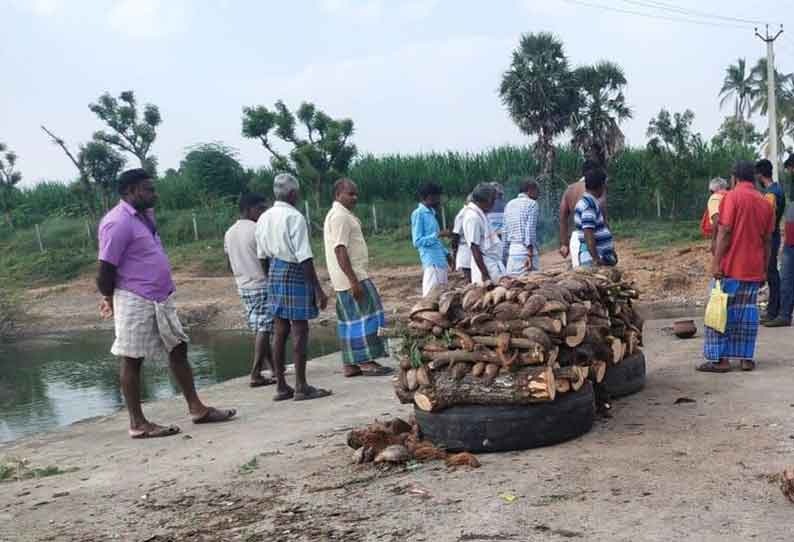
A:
[294, 291]
[460, 249]
[521, 225]
[486, 248]
[239, 244]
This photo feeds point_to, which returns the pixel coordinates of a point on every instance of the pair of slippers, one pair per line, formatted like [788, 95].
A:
[377, 370]
[212, 415]
[711, 367]
[307, 395]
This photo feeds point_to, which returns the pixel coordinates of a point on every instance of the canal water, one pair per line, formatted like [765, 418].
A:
[51, 382]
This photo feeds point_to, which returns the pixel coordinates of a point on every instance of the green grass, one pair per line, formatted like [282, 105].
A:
[14, 470]
[249, 467]
[654, 235]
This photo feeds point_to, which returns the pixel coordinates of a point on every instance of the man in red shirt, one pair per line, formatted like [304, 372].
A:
[746, 223]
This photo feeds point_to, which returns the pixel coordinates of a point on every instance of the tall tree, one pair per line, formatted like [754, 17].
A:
[595, 124]
[540, 93]
[130, 133]
[213, 169]
[784, 92]
[102, 164]
[9, 178]
[98, 166]
[319, 157]
[672, 146]
[739, 86]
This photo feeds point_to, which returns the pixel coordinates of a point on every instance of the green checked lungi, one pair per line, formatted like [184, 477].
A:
[357, 325]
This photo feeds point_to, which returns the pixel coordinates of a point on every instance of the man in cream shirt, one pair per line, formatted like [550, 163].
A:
[359, 311]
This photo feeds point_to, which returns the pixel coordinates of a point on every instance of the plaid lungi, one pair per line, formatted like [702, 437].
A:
[145, 328]
[289, 295]
[257, 309]
[738, 341]
[357, 325]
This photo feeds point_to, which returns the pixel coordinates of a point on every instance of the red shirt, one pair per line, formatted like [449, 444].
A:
[751, 219]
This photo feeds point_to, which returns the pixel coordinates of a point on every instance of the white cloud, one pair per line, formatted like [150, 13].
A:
[148, 19]
[369, 10]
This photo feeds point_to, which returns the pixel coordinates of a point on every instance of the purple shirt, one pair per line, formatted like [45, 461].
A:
[129, 240]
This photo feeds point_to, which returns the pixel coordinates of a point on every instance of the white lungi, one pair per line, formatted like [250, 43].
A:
[496, 269]
[573, 246]
[463, 257]
[144, 328]
[432, 277]
[517, 259]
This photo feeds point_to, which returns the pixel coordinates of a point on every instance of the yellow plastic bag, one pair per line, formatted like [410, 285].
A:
[717, 309]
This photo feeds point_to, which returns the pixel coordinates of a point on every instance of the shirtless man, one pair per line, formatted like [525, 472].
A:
[569, 240]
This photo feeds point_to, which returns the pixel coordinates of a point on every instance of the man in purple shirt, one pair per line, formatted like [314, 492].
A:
[135, 280]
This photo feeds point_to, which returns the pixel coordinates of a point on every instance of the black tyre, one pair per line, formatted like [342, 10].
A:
[626, 377]
[475, 428]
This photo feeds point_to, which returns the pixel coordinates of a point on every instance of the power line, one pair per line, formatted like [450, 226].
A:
[702, 14]
[654, 16]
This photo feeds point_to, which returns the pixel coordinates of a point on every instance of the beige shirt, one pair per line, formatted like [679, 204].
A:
[281, 233]
[342, 228]
[239, 244]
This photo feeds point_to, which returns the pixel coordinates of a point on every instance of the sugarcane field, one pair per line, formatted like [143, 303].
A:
[406, 271]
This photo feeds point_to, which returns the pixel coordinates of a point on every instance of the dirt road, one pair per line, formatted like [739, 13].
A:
[656, 470]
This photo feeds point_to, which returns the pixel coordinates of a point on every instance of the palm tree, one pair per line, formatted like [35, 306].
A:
[595, 124]
[738, 86]
[784, 93]
[540, 93]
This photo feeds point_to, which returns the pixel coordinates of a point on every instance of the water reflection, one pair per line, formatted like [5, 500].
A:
[52, 382]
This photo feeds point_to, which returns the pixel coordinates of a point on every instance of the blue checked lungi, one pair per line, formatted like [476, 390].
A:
[289, 295]
[357, 325]
[257, 309]
[738, 341]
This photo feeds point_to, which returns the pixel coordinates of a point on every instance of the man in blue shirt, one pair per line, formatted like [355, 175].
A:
[596, 244]
[425, 234]
[773, 192]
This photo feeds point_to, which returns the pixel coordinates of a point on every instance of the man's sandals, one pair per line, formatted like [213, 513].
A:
[154, 431]
[215, 415]
[370, 369]
[262, 381]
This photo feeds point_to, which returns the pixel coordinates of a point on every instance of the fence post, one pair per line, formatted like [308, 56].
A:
[308, 217]
[443, 217]
[195, 227]
[658, 204]
[88, 230]
[375, 218]
[38, 236]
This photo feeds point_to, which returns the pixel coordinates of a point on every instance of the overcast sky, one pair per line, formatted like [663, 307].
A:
[414, 75]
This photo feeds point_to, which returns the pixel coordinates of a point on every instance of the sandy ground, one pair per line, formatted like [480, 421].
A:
[672, 277]
[657, 470]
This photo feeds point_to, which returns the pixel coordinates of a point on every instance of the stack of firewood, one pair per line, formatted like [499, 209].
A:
[517, 341]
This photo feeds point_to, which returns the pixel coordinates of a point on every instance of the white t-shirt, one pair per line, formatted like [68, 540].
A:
[239, 244]
[282, 233]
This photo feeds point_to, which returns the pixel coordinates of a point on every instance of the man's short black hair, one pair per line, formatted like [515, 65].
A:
[589, 165]
[789, 163]
[527, 185]
[744, 170]
[429, 189]
[251, 200]
[764, 168]
[130, 178]
[595, 178]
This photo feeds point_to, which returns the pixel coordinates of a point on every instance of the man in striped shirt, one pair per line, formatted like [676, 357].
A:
[521, 224]
[596, 245]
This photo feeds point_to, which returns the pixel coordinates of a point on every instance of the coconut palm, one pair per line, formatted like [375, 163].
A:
[595, 124]
[540, 93]
[739, 86]
[784, 92]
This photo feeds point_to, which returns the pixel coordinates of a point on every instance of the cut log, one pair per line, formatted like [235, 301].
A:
[617, 350]
[478, 369]
[460, 369]
[406, 397]
[410, 379]
[549, 325]
[533, 305]
[440, 359]
[572, 375]
[535, 334]
[505, 311]
[577, 311]
[563, 384]
[402, 380]
[552, 354]
[527, 386]
[553, 306]
[491, 372]
[423, 376]
[575, 332]
[597, 371]
[632, 342]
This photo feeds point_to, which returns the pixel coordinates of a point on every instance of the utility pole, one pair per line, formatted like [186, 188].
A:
[771, 95]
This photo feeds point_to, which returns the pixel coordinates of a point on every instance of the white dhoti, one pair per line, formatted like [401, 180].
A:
[517, 260]
[496, 269]
[463, 257]
[145, 328]
[573, 247]
[432, 277]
